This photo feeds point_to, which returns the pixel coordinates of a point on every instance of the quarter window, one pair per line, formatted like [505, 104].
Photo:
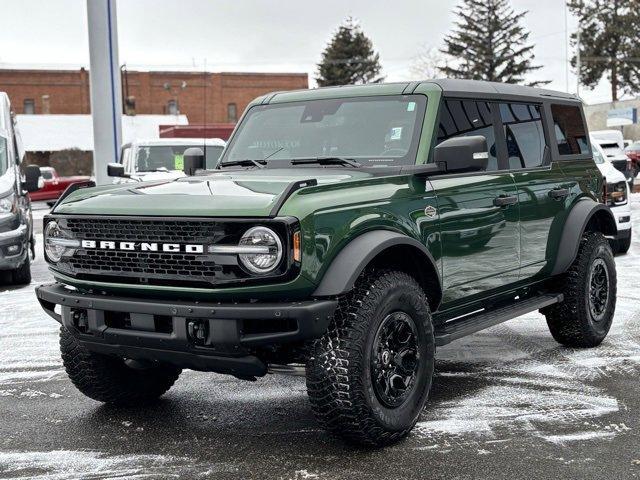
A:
[463, 118]
[524, 135]
[570, 131]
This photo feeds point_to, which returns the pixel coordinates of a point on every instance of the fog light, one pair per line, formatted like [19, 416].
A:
[624, 219]
[13, 249]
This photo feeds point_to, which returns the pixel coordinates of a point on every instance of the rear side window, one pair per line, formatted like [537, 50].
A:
[524, 135]
[571, 134]
[463, 118]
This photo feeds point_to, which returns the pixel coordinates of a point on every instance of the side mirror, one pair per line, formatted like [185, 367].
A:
[116, 170]
[462, 154]
[32, 177]
[193, 160]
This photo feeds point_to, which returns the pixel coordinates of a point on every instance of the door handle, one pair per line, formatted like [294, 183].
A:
[559, 193]
[505, 201]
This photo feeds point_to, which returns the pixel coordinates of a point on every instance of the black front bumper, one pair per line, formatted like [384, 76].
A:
[159, 331]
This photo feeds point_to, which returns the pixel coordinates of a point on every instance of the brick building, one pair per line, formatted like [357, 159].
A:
[220, 97]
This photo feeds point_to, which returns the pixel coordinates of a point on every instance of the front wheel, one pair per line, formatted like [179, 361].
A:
[109, 380]
[369, 376]
[584, 318]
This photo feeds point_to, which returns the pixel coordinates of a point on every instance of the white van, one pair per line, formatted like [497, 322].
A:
[612, 143]
[161, 158]
[16, 223]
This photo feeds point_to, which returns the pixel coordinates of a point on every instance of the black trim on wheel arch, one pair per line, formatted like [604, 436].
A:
[345, 269]
[574, 228]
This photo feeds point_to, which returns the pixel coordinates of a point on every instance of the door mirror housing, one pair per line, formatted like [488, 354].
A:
[193, 160]
[116, 170]
[462, 154]
[32, 178]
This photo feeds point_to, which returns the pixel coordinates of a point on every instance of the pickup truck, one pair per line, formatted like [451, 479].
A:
[54, 184]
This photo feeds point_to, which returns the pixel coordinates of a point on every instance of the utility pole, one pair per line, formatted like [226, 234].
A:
[566, 44]
[106, 95]
[578, 59]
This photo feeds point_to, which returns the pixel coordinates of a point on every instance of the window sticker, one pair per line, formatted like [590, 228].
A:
[178, 162]
[411, 106]
[396, 133]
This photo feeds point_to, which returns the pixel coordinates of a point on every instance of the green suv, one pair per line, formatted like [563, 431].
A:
[345, 234]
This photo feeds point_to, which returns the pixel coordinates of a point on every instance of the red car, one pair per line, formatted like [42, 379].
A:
[54, 184]
[633, 152]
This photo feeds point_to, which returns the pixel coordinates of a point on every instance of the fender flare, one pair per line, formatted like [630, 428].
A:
[574, 227]
[347, 266]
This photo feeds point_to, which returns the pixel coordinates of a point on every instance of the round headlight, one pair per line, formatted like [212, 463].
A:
[54, 251]
[269, 246]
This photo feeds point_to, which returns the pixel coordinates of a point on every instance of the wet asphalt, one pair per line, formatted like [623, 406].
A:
[506, 403]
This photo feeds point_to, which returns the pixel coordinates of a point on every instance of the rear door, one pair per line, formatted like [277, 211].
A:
[478, 211]
[542, 188]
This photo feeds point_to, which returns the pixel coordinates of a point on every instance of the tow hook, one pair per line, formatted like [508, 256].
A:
[198, 331]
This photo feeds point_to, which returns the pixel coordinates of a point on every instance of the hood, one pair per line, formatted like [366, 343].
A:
[153, 176]
[611, 173]
[240, 193]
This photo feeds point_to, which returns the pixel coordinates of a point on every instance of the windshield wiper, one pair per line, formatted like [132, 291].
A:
[246, 161]
[326, 161]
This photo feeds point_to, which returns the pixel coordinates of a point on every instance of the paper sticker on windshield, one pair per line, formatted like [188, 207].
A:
[411, 106]
[396, 133]
[178, 162]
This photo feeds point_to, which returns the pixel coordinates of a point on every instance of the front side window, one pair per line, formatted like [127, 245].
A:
[374, 131]
[460, 118]
[571, 135]
[4, 155]
[524, 135]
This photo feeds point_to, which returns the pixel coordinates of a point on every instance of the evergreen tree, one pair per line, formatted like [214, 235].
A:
[349, 58]
[609, 43]
[489, 43]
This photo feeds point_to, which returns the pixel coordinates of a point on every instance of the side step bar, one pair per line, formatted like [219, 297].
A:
[455, 329]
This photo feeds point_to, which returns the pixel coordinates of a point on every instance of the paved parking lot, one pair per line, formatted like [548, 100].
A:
[506, 403]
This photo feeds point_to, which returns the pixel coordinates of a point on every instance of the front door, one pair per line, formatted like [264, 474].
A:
[479, 212]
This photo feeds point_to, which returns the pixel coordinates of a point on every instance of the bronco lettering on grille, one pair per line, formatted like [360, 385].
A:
[143, 246]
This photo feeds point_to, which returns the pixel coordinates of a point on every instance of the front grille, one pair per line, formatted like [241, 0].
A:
[158, 268]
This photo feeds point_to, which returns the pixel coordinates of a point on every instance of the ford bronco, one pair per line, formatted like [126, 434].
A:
[346, 233]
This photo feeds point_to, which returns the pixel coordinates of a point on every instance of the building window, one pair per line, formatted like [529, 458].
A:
[232, 113]
[29, 106]
[172, 107]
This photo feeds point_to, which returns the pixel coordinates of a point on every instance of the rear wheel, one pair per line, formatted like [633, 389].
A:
[109, 380]
[584, 318]
[369, 376]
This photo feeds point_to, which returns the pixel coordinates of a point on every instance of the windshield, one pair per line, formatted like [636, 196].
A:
[382, 130]
[4, 155]
[171, 157]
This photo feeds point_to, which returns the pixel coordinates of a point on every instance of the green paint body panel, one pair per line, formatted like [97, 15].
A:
[481, 250]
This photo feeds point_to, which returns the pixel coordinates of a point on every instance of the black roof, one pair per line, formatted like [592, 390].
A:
[476, 88]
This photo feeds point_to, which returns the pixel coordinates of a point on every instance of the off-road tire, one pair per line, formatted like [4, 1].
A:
[339, 382]
[571, 322]
[22, 274]
[108, 380]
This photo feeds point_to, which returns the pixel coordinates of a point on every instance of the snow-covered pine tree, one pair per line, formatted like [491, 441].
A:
[489, 43]
[609, 43]
[349, 58]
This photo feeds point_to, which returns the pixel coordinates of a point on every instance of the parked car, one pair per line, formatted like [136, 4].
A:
[633, 152]
[54, 184]
[17, 243]
[612, 144]
[617, 198]
[161, 158]
[344, 234]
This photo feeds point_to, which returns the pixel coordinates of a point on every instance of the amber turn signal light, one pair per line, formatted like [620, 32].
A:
[297, 252]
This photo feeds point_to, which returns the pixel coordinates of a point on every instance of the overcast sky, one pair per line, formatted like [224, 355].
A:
[254, 35]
